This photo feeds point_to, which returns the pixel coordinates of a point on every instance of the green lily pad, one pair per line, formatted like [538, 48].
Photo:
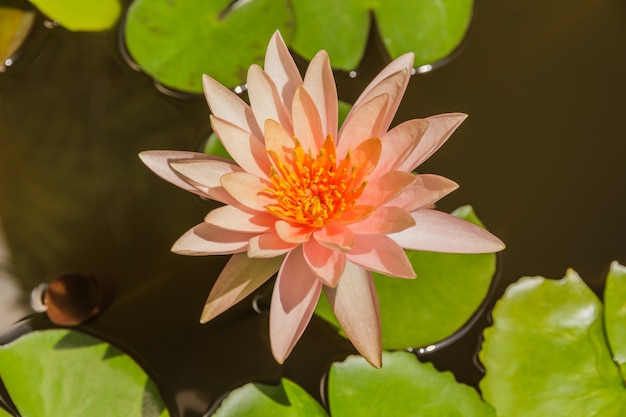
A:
[258, 400]
[66, 373]
[177, 42]
[615, 314]
[448, 290]
[431, 29]
[402, 387]
[80, 15]
[546, 354]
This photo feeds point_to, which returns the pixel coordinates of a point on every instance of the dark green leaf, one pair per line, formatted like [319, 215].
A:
[615, 314]
[67, 373]
[258, 400]
[430, 28]
[546, 354]
[402, 387]
[80, 15]
[177, 42]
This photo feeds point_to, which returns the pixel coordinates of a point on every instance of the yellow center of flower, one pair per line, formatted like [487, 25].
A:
[314, 190]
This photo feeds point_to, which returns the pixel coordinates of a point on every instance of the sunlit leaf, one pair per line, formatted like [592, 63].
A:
[80, 15]
[615, 313]
[15, 25]
[67, 373]
[430, 28]
[546, 354]
[402, 387]
[4, 413]
[177, 42]
[258, 400]
[448, 289]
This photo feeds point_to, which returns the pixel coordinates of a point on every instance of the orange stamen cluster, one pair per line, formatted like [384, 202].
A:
[314, 190]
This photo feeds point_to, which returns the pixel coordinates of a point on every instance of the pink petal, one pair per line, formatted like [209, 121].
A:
[307, 125]
[365, 156]
[441, 232]
[355, 304]
[205, 176]
[439, 130]
[229, 106]
[320, 84]
[292, 233]
[398, 144]
[279, 142]
[282, 69]
[207, 239]
[381, 254]
[233, 218]
[385, 220]
[426, 191]
[355, 214]
[295, 295]
[327, 264]
[335, 237]
[248, 189]
[393, 80]
[247, 150]
[268, 245]
[362, 123]
[265, 101]
[386, 187]
[159, 163]
[239, 278]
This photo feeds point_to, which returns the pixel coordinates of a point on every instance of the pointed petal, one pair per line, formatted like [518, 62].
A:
[265, 101]
[206, 239]
[336, 237]
[307, 126]
[229, 106]
[282, 69]
[439, 130]
[386, 187]
[381, 254]
[291, 233]
[355, 304]
[239, 278]
[320, 84]
[205, 174]
[327, 264]
[385, 220]
[362, 123]
[248, 189]
[425, 191]
[295, 295]
[355, 214]
[159, 163]
[365, 156]
[247, 150]
[398, 144]
[268, 245]
[234, 218]
[441, 232]
[393, 80]
[278, 142]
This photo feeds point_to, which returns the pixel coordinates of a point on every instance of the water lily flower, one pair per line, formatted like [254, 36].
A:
[322, 206]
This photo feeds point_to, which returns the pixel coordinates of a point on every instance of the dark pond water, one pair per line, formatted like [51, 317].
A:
[541, 159]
